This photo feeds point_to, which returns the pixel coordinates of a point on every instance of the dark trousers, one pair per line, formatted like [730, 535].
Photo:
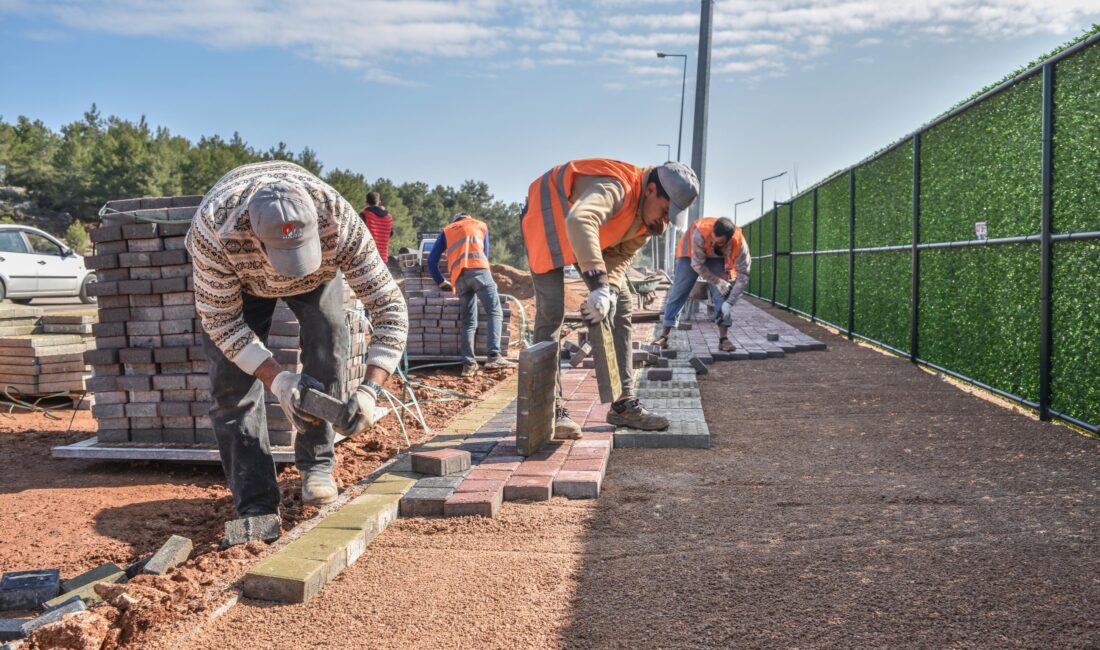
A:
[238, 413]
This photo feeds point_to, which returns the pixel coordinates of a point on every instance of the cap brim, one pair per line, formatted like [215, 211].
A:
[677, 216]
[296, 262]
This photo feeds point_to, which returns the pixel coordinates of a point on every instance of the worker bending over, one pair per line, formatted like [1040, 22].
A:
[713, 249]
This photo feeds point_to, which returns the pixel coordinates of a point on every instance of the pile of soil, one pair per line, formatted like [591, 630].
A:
[75, 515]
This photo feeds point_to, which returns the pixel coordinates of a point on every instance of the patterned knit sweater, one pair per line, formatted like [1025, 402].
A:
[228, 263]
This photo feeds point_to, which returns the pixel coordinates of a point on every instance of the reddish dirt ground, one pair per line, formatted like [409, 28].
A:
[75, 515]
[848, 500]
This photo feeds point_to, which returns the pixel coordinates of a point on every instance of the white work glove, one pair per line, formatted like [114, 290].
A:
[359, 412]
[723, 288]
[726, 312]
[288, 387]
[598, 305]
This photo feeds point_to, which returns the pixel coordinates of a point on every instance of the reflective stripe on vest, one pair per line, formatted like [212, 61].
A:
[465, 247]
[705, 226]
[548, 205]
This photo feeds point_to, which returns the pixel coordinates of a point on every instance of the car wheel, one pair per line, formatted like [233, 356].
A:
[84, 297]
[3, 291]
[22, 301]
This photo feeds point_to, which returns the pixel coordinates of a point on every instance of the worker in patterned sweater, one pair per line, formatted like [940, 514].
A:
[715, 250]
[273, 230]
[466, 243]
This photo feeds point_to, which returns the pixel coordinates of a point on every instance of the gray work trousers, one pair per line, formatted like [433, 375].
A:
[238, 413]
[550, 314]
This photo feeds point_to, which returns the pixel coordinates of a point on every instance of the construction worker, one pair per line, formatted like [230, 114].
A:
[380, 224]
[273, 230]
[597, 214]
[713, 249]
[466, 243]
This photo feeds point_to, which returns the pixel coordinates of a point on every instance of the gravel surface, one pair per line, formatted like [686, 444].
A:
[849, 500]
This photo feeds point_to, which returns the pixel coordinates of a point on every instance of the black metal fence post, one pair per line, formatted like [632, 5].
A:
[851, 253]
[1045, 332]
[790, 249]
[813, 258]
[775, 246]
[914, 283]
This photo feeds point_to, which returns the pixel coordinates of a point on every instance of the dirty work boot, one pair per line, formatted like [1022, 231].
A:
[661, 342]
[318, 487]
[725, 345]
[499, 363]
[468, 370]
[564, 426]
[629, 412]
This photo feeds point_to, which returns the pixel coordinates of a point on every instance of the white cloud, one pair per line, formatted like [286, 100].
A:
[386, 40]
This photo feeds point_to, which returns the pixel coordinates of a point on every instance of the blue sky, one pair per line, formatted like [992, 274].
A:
[501, 91]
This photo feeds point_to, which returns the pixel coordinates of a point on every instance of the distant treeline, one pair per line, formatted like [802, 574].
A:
[97, 159]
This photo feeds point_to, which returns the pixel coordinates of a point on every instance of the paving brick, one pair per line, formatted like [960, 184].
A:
[83, 586]
[336, 548]
[262, 527]
[285, 579]
[10, 630]
[480, 485]
[53, 616]
[467, 504]
[578, 485]
[480, 473]
[446, 482]
[528, 488]
[659, 374]
[773, 336]
[394, 483]
[29, 589]
[700, 367]
[584, 465]
[440, 462]
[370, 513]
[174, 552]
[538, 368]
[425, 502]
[538, 468]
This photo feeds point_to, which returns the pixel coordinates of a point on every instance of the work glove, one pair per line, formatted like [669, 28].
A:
[288, 387]
[446, 286]
[723, 288]
[599, 305]
[359, 412]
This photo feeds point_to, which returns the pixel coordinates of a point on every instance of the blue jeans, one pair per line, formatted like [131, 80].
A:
[682, 282]
[479, 283]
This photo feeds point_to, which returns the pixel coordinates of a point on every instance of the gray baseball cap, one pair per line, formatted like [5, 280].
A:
[682, 187]
[284, 219]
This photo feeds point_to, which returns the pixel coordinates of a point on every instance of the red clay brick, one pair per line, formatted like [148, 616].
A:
[584, 465]
[481, 473]
[528, 488]
[500, 463]
[589, 452]
[480, 485]
[465, 504]
[538, 468]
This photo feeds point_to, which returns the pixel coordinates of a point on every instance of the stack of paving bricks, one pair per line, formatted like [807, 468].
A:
[435, 317]
[150, 372]
[37, 356]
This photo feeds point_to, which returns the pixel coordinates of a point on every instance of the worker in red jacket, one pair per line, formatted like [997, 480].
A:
[379, 222]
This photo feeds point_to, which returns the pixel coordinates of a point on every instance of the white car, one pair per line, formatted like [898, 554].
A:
[35, 264]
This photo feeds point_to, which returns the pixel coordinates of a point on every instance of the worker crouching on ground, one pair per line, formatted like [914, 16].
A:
[597, 214]
[713, 249]
[466, 242]
[273, 230]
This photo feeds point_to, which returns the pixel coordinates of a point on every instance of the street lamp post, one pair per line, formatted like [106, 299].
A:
[762, 188]
[683, 89]
[749, 200]
[668, 151]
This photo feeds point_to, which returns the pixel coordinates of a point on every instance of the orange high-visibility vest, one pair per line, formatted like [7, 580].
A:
[465, 247]
[548, 204]
[705, 226]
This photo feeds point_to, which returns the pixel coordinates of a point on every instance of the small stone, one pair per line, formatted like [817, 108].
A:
[173, 553]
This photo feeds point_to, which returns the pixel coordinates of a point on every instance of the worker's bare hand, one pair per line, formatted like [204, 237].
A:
[446, 286]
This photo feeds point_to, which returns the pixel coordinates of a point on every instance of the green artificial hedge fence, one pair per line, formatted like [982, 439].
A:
[980, 306]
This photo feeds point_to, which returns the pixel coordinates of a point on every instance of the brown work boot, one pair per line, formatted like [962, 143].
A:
[564, 426]
[661, 342]
[629, 412]
[318, 487]
[498, 363]
[468, 370]
[725, 345]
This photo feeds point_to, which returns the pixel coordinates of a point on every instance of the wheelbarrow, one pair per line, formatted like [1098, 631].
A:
[645, 290]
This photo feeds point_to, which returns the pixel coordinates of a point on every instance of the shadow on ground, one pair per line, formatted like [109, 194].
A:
[849, 500]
